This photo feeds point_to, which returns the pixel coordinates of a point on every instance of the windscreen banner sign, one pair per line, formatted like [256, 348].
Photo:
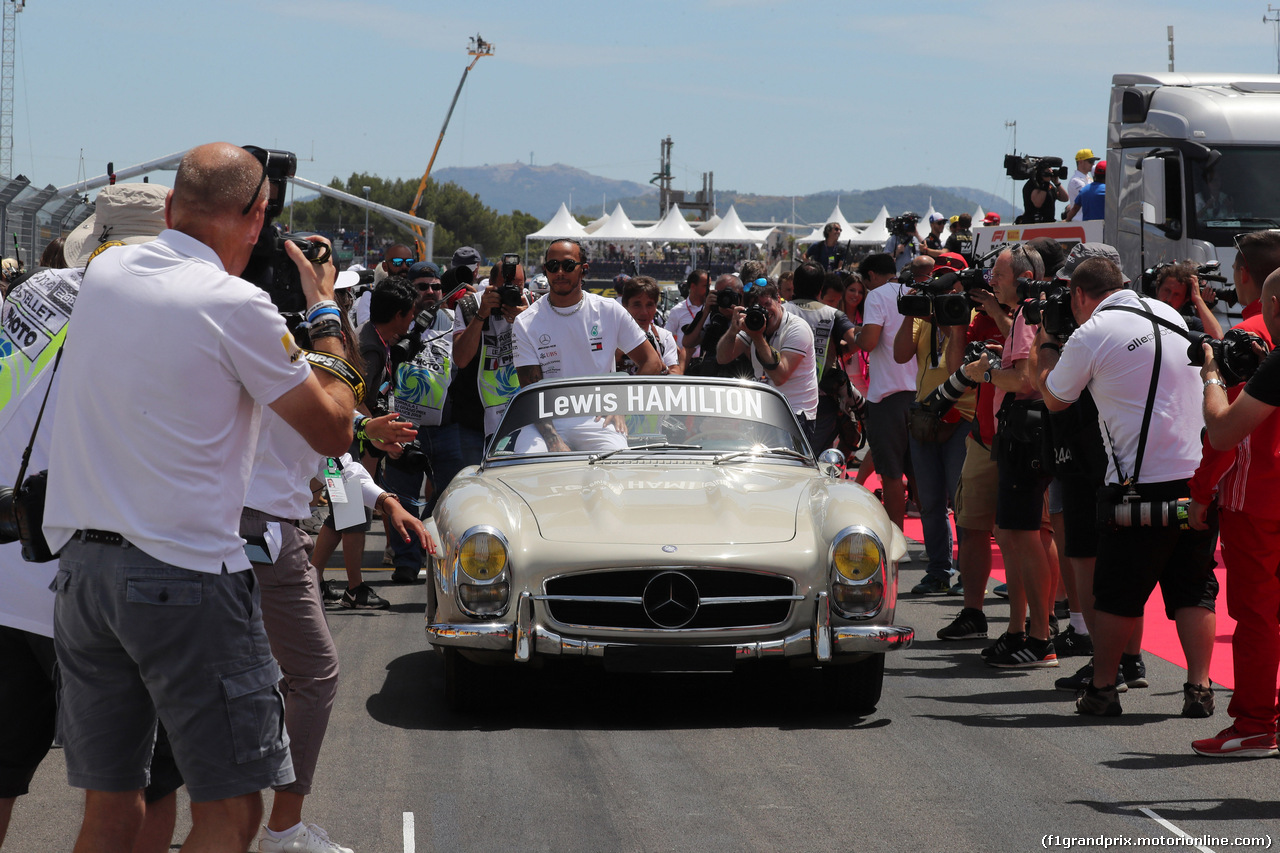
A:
[655, 399]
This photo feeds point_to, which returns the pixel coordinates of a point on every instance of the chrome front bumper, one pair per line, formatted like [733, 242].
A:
[524, 638]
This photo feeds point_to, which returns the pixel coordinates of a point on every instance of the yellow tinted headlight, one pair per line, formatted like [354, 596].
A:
[857, 557]
[483, 556]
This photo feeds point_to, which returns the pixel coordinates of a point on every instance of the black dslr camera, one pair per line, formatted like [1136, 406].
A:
[22, 516]
[1028, 168]
[936, 301]
[756, 315]
[269, 267]
[509, 293]
[1234, 353]
[1053, 312]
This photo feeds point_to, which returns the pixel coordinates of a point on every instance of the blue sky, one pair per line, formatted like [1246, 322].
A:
[773, 97]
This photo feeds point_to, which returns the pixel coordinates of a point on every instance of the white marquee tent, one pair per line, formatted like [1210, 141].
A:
[731, 230]
[671, 228]
[619, 228]
[561, 225]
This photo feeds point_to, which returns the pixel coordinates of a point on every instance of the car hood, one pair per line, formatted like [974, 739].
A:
[682, 504]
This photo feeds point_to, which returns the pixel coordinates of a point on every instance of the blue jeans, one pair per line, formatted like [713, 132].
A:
[937, 469]
[450, 447]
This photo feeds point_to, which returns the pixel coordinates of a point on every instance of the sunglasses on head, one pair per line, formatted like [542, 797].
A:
[261, 180]
[567, 265]
[402, 262]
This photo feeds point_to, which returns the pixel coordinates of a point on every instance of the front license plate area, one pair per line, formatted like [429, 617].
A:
[658, 659]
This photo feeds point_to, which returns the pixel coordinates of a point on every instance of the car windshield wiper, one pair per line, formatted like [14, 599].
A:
[756, 451]
[664, 445]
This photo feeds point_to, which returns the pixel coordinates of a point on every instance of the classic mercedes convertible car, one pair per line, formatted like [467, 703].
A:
[662, 524]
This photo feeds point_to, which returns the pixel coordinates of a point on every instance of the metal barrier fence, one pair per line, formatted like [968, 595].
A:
[33, 217]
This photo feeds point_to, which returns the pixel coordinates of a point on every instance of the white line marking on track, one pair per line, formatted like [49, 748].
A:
[408, 833]
[1178, 832]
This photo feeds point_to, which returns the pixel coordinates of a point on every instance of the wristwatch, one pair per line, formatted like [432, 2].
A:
[1217, 382]
[986, 377]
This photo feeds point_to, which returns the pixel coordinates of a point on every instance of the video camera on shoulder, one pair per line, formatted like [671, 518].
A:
[935, 301]
[1027, 168]
[269, 267]
[903, 227]
[1052, 311]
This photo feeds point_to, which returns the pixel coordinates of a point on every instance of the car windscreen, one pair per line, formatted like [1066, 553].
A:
[649, 413]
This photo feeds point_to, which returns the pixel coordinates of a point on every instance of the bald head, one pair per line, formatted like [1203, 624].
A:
[214, 183]
[1271, 304]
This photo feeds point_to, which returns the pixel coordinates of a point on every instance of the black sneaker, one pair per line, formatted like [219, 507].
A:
[363, 598]
[1003, 643]
[1083, 677]
[1029, 654]
[1197, 701]
[1061, 609]
[1134, 670]
[1053, 626]
[332, 591]
[971, 624]
[1098, 703]
[1071, 644]
[932, 585]
[404, 574]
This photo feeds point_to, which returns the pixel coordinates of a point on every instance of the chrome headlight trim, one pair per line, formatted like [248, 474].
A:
[460, 577]
[880, 575]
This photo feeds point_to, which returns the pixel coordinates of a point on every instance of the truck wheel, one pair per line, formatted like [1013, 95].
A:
[856, 687]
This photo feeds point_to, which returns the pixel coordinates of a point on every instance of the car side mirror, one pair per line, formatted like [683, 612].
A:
[831, 462]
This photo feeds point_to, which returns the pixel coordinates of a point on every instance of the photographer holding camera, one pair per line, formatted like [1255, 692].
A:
[1146, 397]
[483, 327]
[711, 323]
[781, 348]
[1243, 479]
[156, 610]
[1041, 191]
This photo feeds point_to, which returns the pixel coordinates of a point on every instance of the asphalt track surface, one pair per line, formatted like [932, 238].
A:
[958, 757]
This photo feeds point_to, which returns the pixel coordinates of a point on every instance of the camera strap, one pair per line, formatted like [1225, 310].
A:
[1156, 322]
[26, 454]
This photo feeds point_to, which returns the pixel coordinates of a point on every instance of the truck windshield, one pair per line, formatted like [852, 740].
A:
[1240, 193]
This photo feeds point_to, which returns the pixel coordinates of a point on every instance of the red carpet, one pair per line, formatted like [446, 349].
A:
[1160, 636]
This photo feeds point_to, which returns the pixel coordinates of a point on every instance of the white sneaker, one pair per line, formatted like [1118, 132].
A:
[307, 838]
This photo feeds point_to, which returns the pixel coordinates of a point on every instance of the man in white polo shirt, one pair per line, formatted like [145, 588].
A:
[575, 333]
[892, 385]
[1151, 427]
[168, 358]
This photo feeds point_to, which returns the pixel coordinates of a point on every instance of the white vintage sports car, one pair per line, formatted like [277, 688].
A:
[662, 524]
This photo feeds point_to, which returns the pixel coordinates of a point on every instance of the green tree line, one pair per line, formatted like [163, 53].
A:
[461, 218]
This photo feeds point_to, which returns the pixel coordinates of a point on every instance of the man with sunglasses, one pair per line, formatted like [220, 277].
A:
[572, 332]
[157, 612]
[1244, 482]
[396, 260]
[829, 254]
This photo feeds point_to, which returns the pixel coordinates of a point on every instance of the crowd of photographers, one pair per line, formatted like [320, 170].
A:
[1040, 398]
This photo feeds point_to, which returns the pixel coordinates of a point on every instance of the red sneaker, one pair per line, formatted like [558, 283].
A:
[1232, 744]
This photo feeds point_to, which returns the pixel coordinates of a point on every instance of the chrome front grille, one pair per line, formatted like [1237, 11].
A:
[671, 598]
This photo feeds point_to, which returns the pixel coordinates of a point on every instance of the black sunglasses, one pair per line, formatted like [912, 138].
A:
[567, 265]
[431, 285]
[261, 180]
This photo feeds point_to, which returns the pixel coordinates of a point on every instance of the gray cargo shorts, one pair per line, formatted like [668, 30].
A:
[137, 637]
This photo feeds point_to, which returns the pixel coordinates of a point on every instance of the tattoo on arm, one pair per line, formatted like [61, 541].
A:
[529, 374]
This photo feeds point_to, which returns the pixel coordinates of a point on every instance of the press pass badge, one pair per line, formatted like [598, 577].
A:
[346, 512]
